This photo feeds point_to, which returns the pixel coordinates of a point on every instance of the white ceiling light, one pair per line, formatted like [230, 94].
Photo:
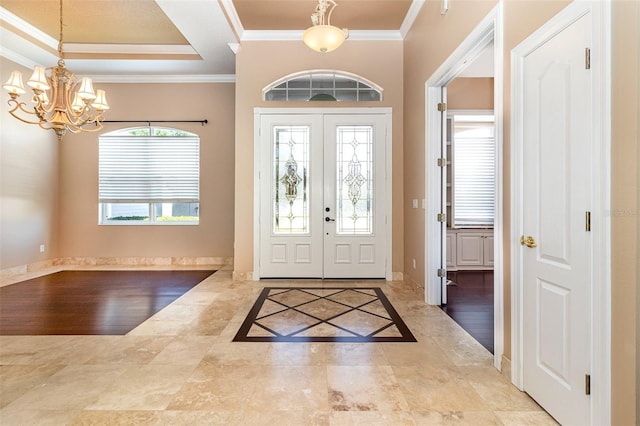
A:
[62, 102]
[322, 36]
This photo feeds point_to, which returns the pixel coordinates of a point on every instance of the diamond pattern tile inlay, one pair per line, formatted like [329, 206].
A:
[323, 315]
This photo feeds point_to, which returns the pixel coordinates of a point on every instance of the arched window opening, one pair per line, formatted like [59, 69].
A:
[323, 85]
[149, 175]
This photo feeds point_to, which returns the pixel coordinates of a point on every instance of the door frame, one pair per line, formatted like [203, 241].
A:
[601, 221]
[258, 112]
[490, 28]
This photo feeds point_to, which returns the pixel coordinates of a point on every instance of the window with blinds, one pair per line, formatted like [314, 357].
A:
[474, 154]
[149, 175]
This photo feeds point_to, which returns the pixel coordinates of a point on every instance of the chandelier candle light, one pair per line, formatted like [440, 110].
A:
[62, 102]
[322, 36]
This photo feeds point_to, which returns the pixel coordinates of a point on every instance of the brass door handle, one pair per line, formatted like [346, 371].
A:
[528, 241]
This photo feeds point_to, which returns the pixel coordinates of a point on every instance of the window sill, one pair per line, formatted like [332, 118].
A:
[138, 223]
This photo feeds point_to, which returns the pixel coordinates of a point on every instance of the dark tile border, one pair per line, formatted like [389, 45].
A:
[406, 335]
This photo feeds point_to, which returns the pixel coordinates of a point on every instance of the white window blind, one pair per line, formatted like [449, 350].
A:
[474, 170]
[149, 169]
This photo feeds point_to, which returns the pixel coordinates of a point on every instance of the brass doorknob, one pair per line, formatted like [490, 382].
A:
[528, 241]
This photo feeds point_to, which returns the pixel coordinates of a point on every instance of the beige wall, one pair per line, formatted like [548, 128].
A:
[261, 63]
[422, 57]
[80, 233]
[521, 18]
[28, 185]
[625, 210]
[470, 93]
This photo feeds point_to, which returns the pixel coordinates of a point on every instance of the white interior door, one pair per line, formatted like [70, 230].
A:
[557, 177]
[322, 196]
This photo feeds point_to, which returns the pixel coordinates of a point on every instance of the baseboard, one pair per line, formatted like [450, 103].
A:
[22, 272]
[409, 279]
[505, 367]
[145, 261]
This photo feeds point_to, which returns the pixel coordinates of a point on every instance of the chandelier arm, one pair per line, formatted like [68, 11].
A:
[330, 8]
[20, 106]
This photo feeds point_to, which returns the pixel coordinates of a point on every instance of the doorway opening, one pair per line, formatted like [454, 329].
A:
[469, 194]
[488, 35]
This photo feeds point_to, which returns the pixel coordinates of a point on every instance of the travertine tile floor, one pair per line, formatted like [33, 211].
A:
[181, 367]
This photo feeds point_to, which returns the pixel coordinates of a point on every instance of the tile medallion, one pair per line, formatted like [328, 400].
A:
[311, 314]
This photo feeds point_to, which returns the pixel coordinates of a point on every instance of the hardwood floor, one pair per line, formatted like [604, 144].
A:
[90, 302]
[470, 304]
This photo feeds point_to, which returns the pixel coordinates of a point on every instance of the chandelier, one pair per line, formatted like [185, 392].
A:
[322, 36]
[61, 101]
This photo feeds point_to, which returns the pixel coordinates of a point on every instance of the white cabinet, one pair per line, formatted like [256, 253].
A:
[488, 249]
[469, 249]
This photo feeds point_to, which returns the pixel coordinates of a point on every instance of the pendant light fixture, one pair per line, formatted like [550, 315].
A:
[322, 36]
[62, 101]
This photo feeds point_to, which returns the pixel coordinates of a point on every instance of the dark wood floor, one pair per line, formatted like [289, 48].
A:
[470, 304]
[90, 302]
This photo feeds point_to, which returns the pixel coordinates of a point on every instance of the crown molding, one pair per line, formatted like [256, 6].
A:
[412, 14]
[137, 49]
[296, 35]
[233, 18]
[132, 78]
[28, 29]
[17, 58]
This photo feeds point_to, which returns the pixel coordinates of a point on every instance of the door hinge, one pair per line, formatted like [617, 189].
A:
[442, 162]
[587, 384]
[442, 217]
[587, 58]
[442, 272]
[442, 106]
[587, 221]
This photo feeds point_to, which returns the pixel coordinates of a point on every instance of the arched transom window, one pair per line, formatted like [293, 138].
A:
[323, 85]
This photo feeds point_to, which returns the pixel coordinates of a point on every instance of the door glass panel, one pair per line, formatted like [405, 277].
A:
[354, 172]
[290, 179]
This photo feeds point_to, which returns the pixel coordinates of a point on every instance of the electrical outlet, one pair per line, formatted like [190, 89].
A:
[414, 263]
[41, 248]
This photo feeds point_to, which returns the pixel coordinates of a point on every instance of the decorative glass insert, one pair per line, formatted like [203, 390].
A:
[323, 86]
[290, 179]
[354, 172]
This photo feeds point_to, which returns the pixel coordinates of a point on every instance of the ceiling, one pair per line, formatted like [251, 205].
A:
[175, 40]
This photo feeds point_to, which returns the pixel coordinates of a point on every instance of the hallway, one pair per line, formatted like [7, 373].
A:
[182, 367]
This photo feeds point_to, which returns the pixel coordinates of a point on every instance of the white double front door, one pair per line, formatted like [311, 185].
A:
[322, 195]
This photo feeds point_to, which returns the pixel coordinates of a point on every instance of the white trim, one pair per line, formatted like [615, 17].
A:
[259, 112]
[234, 47]
[410, 18]
[296, 35]
[187, 78]
[232, 17]
[17, 58]
[129, 49]
[490, 28]
[601, 220]
[25, 27]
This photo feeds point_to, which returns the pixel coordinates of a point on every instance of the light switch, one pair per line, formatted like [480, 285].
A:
[415, 203]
